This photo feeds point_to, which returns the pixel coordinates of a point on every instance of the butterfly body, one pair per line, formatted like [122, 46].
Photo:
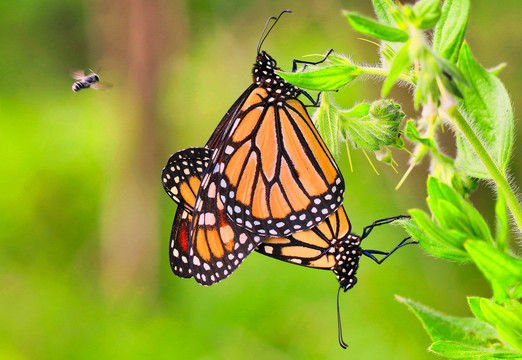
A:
[265, 77]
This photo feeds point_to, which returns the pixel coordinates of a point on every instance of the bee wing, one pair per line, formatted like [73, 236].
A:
[78, 74]
[101, 86]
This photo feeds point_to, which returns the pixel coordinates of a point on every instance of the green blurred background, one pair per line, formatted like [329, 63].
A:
[85, 222]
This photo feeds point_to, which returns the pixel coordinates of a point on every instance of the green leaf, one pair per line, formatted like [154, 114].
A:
[474, 305]
[412, 134]
[443, 168]
[400, 62]
[434, 239]
[507, 320]
[329, 78]
[370, 27]
[358, 111]
[466, 330]
[427, 13]
[495, 70]
[450, 74]
[382, 10]
[336, 59]
[326, 119]
[454, 212]
[456, 350]
[451, 28]
[501, 270]
[380, 127]
[487, 108]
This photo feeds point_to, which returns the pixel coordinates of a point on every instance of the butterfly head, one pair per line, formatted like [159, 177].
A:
[347, 255]
[265, 76]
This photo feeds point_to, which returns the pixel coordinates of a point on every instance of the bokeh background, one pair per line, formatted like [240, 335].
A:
[85, 223]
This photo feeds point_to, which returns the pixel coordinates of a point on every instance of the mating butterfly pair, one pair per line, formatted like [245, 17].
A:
[265, 181]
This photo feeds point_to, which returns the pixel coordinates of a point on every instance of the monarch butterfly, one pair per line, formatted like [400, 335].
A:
[329, 246]
[270, 175]
[271, 169]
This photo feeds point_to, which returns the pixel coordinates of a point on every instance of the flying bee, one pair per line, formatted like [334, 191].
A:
[87, 81]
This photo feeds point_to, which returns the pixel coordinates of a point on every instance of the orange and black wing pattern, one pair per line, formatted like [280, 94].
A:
[276, 175]
[179, 244]
[204, 244]
[182, 175]
[181, 178]
[313, 248]
[217, 245]
[328, 246]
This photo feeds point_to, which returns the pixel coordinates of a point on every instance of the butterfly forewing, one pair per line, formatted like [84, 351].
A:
[277, 176]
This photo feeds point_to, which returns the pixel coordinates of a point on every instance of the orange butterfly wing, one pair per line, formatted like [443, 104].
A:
[315, 248]
[216, 247]
[276, 175]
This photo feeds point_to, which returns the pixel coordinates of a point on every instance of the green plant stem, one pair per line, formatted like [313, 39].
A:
[498, 177]
[383, 72]
[501, 223]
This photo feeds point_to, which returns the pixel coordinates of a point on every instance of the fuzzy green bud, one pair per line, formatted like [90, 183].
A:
[372, 126]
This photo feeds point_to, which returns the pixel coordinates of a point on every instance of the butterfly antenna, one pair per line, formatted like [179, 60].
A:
[339, 326]
[263, 35]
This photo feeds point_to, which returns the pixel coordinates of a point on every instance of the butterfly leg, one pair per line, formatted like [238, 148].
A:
[306, 63]
[316, 102]
[370, 253]
[368, 229]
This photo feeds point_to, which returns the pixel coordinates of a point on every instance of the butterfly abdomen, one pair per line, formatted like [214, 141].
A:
[347, 255]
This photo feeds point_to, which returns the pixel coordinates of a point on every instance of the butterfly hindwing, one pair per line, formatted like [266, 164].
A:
[179, 244]
[315, 248]
[182, 175]
[218, 246]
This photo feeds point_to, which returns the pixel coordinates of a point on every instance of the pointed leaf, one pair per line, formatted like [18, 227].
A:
[375, 29]
[457, 350]
[328, 78]
[474, 305]
[507, 321]
[400, 62]
[495, 70]
[453, 212]
[412, 134]
[381, 8]
[502, 270]
[435, 240]
[358, 111]
[466, 330]
[451, 28]
[427, 13]
[487, 108]
[326, 119]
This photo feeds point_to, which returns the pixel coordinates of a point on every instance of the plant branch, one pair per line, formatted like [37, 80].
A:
[498, 177]
[383, 72]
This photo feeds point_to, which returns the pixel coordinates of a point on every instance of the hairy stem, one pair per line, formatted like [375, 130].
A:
[499, 179]
[501, 223]
[383, 72]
